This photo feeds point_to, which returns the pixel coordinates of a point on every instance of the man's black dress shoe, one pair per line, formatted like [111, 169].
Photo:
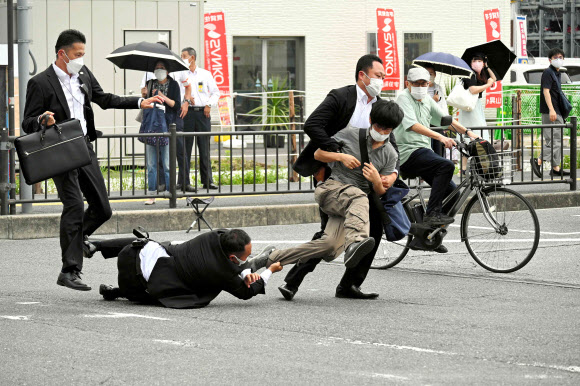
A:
[559, 173]
[441, 249]
[210, 186]
[357, 250]
[354, 292]
[536, 167]
[109, 292]
[288, 291]
[89, 248]
[188, 188]
[72, 280]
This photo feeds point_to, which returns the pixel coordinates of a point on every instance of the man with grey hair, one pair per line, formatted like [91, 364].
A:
[414, 140]
[204, 95]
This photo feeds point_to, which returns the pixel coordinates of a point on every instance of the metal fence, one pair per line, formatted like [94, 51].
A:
[243, 164]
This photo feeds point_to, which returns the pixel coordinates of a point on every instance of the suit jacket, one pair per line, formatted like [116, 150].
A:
[44, 93]
[331, 116]
[197, 271]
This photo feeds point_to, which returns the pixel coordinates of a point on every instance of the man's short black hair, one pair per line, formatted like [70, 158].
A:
[555, 51]
[67, 38]
[234, 241]
[163, 44]
[365, 62]
[190, 51]
[386, 114]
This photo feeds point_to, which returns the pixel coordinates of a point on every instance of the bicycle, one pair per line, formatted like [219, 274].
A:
[494, 224]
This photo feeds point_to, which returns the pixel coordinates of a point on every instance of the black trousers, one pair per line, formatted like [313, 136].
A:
[131, 283]
[194, 121]
[352, 276]
[75, 221]
[436, 171]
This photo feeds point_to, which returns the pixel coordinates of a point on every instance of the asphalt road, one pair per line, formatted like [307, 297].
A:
[440, 319]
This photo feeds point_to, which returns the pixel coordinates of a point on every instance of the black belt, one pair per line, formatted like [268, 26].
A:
[196, 108]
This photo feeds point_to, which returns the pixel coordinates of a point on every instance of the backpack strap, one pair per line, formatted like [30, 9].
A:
[374, 199]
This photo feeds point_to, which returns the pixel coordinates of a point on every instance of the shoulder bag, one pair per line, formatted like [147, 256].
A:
[52, 150]
[461, 98]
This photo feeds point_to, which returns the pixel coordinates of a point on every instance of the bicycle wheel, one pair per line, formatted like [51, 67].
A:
[514, 243]
[390, 253]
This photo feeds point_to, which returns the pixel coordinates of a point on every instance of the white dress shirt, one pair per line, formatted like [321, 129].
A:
[71, 86]
[149, 255]
[204, 89]
[362, 111]
[264, 275]
[179, 76]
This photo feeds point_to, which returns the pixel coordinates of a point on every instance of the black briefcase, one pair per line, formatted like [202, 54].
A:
[52, 151]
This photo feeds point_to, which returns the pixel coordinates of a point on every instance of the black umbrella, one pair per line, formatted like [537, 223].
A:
[143, 57]
[499, 57]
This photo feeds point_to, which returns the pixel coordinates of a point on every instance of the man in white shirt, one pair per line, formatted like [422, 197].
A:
[65, 90]
[204, 96]
[184, 275]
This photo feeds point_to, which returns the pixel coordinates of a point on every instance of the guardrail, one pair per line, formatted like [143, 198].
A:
[243, 166]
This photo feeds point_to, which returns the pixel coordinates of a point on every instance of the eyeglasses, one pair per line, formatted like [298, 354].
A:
[420, 83]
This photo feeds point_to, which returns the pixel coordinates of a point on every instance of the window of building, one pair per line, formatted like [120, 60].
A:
[265, 64]
[415, 44]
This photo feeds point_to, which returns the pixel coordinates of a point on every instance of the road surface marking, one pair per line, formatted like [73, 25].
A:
[118, 315]
[27, 302]
[10, 317]
[186, 343]
[570, 369]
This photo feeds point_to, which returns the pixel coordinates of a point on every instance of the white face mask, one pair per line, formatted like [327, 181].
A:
[378, 137]
[160, 74]
[419, 92]
[74, 66]
[374, 88]
[557, 63]
[240, 261]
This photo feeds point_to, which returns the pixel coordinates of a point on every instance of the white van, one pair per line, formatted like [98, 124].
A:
[528, 74]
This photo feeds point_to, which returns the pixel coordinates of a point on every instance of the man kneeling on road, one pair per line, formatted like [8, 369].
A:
[343, 196]
[414, 141]
[183, 275]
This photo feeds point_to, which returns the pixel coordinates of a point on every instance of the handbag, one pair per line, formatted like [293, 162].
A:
[52, 150]
[396, 224]
[565, 105]
[154, 122]
[461, 98]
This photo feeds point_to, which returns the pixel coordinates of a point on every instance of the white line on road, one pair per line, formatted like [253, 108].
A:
[554, 240]
[186, 343]
[331, 339]
[118, 315]
[27, 302]
[10, 317]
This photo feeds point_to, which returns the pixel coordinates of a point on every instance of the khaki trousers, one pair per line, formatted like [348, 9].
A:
[348, 209]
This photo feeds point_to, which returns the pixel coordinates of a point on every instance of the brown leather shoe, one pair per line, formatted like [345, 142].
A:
[72, 280]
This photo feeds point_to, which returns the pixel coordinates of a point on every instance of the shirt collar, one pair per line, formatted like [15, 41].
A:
[362, 97]
[63, 76]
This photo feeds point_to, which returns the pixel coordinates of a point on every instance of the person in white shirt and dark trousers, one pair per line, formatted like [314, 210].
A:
[204, 95]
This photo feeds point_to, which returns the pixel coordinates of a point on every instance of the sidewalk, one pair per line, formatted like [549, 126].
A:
[226, 211]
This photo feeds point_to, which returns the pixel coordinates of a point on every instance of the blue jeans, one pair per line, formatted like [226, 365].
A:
[437, 172]
[152, 165]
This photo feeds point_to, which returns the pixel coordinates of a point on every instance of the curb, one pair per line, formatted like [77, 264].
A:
[20, 227]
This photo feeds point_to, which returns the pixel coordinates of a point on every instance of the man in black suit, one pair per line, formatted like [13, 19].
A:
[184, 275]
[65, 90]
[350, 104]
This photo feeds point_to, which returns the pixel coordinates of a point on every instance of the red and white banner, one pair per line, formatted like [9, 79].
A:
[387, 47]
[493, 95]
[216, 52]
[492, 26]
[521, 39]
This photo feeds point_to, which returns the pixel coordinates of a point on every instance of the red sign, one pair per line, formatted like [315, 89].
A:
[492, 26]
[493, 95]
[387, 47]
[216, 52]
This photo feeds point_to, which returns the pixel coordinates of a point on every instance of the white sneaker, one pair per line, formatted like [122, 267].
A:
[150, 201]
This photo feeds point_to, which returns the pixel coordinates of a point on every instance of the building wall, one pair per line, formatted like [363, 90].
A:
[103, 23]
[335, 31]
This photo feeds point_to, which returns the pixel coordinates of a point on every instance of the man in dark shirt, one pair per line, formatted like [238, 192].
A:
[183, 275]
[551, 110]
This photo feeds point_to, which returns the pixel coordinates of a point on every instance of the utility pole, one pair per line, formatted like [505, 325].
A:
[10, 25]
[23, 33]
